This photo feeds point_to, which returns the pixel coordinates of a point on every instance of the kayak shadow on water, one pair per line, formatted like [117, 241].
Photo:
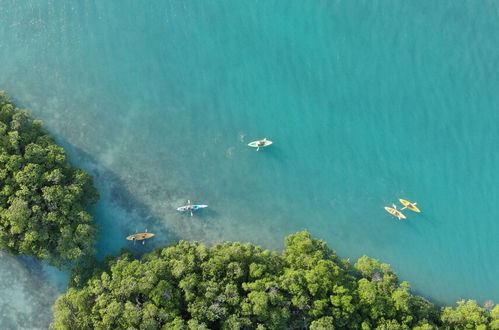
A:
[414, 227]
[414, 217]
[419, 222]
[208, 214]
[426, 218]
[273, 152]
[119, 213]
[204, 214]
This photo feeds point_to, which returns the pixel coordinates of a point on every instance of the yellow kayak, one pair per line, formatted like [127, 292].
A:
[140, 236]
[409, 205]
[395, 213]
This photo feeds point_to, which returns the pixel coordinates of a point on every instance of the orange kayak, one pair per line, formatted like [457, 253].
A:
[140, 236]
[409, 205]
[395, 213]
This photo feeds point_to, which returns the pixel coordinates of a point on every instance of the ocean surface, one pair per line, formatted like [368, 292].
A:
[366, 102]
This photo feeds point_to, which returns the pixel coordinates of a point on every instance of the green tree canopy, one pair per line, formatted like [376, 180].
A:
[240, 286]
[42, 197]
[468, 315]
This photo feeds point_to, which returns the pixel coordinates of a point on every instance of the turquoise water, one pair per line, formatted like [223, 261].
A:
[366, 101]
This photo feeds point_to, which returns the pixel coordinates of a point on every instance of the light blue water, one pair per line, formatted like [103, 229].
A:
[366, 101]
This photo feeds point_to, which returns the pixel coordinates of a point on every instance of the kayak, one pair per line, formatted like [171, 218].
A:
[140, 236]
[190, 208]
[264, 143]
[395, 213]
[409, 205]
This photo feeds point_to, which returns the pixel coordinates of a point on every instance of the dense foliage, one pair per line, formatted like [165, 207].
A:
[42, 197]
[240, 286]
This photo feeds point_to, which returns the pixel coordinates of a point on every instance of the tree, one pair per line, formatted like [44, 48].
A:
[467, 315]
[239, 286]
[42, 197]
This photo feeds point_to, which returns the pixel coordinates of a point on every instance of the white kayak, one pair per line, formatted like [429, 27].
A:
[260, 143]
[193, 207]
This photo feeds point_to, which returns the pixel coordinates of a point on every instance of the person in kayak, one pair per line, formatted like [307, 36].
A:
[261, 143]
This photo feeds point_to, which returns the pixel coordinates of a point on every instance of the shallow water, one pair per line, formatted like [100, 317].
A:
[367, 102]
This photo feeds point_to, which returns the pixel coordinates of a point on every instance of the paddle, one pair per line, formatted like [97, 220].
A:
[405, 207]
[399, 216]
[189, 203]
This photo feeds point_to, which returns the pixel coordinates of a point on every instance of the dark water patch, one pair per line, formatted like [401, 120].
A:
[133, 215]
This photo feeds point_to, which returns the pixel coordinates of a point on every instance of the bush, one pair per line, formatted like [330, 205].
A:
[240, 286]
[42, 197]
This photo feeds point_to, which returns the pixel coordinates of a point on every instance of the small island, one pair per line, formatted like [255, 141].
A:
[43, 198]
